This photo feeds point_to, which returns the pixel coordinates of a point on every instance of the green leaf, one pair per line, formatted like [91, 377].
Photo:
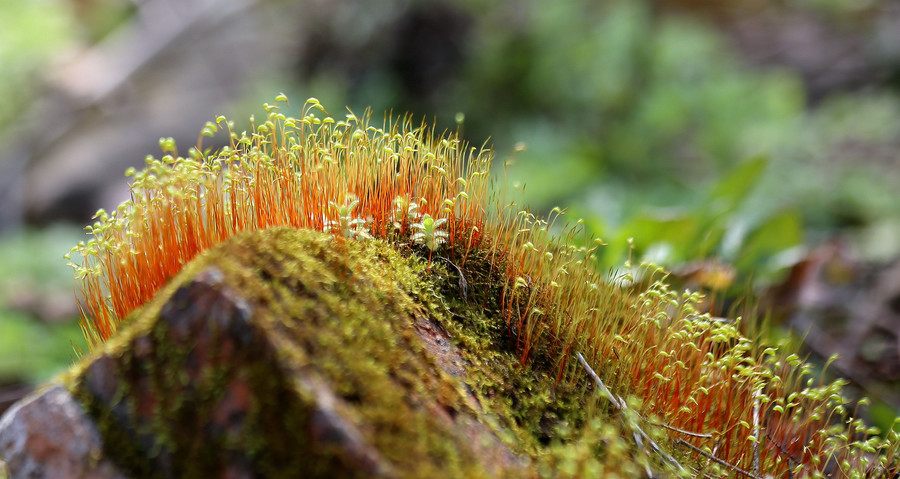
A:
[884, 416]
[779, 233]
[730, 191]
[678, 230]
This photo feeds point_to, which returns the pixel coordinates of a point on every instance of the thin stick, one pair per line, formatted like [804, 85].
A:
[463, 284]
[757, 431]
[682, 431]
[716, 459]
[603, 388]
[620, 405]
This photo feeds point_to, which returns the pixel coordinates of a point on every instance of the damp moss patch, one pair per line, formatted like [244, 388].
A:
[290, 350]
[282, 351]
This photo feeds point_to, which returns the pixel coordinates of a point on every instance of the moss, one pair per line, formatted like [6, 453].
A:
[528, 400]
[557, 419]
[341, 313]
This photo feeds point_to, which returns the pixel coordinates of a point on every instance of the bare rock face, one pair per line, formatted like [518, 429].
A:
[48, 435]
[275, 354]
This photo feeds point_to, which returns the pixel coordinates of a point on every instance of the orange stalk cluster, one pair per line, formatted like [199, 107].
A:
[752, 407]
[755, 409]
[288, 172]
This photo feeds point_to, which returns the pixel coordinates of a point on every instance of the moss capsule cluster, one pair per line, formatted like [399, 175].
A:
[724, 398]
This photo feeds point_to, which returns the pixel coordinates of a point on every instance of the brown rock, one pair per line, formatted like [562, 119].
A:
[48, 435]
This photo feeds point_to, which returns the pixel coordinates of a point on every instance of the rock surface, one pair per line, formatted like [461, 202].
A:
[277, 354]
[48, 435]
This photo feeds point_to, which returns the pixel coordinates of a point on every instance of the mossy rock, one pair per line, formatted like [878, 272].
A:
[289, 353]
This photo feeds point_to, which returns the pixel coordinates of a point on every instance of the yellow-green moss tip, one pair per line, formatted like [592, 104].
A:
[758, 409]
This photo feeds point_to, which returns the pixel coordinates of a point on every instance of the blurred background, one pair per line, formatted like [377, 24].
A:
[752, 147]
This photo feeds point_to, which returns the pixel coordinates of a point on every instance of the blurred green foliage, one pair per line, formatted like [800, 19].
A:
[637, 93]
[715, 227]
[837, 7]
[630, 116]
[33, 273]
[648, 126]
[33, 351]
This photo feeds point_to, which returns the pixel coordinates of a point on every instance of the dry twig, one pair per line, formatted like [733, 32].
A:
[716, 459]
[619, 404]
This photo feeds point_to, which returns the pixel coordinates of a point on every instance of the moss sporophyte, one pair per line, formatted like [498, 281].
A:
[725, 405]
